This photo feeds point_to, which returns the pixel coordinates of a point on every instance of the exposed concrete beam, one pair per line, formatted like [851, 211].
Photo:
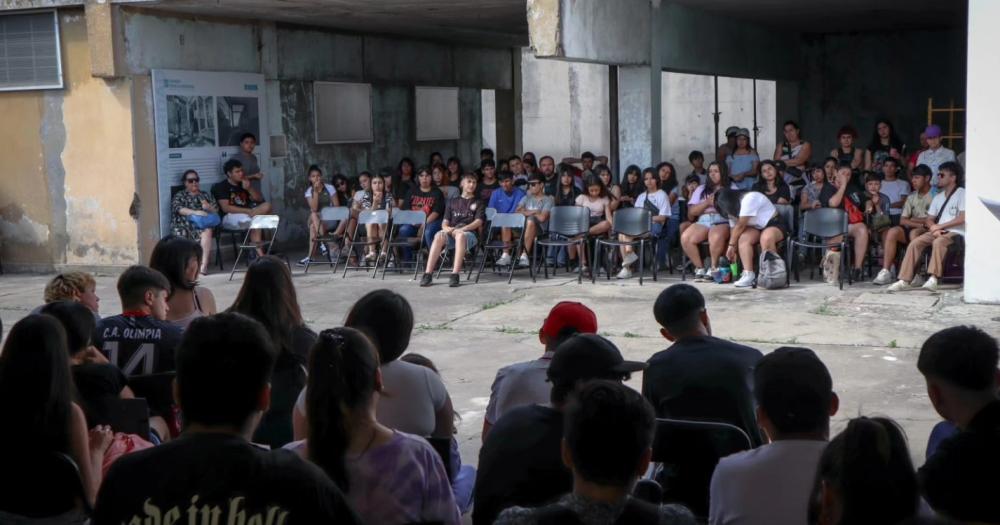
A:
[104, 38]
[591, 30]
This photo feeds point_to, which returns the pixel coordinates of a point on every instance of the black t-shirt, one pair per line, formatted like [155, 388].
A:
[567, 199]
[704, 378]
[783, 191]
[138, 345]
[461, 212]
[287, 381]
[829, 190]
[551, 185]
[97, 383]
[225, 479]
[235, 194]
[427, 202]
[521, 463]
[485, 191]
[960, 479]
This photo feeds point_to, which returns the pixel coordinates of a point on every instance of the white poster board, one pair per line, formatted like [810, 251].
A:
[199, 117]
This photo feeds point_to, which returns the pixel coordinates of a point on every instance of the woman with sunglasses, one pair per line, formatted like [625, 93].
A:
[195, 214]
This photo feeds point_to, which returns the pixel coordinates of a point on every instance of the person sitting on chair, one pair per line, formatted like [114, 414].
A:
[505, 200]
[319, 195]
[656, 201]
[463, 216]
[536, 206]
[752, 220]
[195, 215]
[240, 201]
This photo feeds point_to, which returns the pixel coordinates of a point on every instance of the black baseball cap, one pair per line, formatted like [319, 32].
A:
[589, 356]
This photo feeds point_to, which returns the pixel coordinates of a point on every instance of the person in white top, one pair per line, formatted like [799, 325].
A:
[945, 224]
[894, 188]
[656, 201]
[752, 220]
[772, 484]
[935, 155]
[318, 195]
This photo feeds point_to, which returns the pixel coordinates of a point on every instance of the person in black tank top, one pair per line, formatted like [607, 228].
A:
[845, 152]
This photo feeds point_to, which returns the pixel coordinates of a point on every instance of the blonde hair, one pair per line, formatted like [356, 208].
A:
[66, 286]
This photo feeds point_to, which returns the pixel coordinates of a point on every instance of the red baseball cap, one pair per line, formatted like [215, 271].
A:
[569, 313]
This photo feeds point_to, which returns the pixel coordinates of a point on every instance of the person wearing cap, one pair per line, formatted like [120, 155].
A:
[699, 376]
[520, 463]
[935, 155]
[505, 200]
[536, 206]
[743, 162]
[526, 383]
[727, 149]
[772, 484]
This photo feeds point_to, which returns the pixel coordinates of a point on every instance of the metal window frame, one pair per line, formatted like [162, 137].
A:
[59, 65]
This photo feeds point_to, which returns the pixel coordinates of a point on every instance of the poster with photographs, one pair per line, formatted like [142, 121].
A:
[237, 115]
[190, 121]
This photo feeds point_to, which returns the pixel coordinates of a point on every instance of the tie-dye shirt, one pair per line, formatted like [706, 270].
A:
[402, 481]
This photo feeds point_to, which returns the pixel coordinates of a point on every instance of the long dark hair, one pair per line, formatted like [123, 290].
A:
[342, 369]
[894, 140]
[761, 184]
[343, 197]
[670, 183]
[594, 180]
[632, 190]
[710, 186]
[727, 202]
[170, 257]
[268, 296]
[36, 386]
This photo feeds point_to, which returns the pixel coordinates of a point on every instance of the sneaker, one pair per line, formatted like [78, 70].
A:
[884, 277]
[746, 280]
[857, 275]
[427, 279]
[931, 285]
[918, 281]
[370, 257]
[629, 258]
[523, 262]
[625, 273]
[454, 280]
[898, 286]
[323, 249]
[700, 274]
[304, 261]
[504, 260]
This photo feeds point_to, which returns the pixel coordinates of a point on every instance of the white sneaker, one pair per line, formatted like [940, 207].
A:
[699, 273]
[898, 286]
[918, 281]
[629, 258]
[746, 280]
[504, 260]
[625, 273]
[304, 261]
[884, 277]
[523, 262]
[931, 285]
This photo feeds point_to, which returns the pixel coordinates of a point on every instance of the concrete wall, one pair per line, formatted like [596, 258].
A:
[67, 188]
[858, 78]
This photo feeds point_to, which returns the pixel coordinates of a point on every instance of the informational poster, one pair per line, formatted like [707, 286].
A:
[199, 118]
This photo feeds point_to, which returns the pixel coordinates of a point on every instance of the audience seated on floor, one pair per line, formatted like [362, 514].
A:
[607, 444]
[959, 480]
[73, 286]
[520, 463]
[223, 367]
[772, 484]
[527, 383]
[178, 259]
[699, 377]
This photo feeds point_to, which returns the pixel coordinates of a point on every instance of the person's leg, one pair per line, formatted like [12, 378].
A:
[460, 245]
[255, 237]
[371, 231]
[749, 239]
[206, 249]
[769, 239]
[405, 231]
[690, 240]
[859, 232]
[668, 236]
[506, 235]
[891, 240]
[939, 248]
[718, 241]
[430, 230]
[314, 224]
[912, 257]
[530, 232]
[600, 228]
[437, 246]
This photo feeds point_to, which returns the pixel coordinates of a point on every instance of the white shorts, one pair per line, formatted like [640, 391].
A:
[236, 221]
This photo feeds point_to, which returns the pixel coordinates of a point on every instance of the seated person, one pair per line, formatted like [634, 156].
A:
[809, 197]
[772, 484]
[699, 377]
[73, 286]
[598, 204]
[752, 220]
[656, 201]
[691, 183]
[319, 195]
[709, 224]
[536, 206]
[463, 216]
[240, 201]
[520, 463]
[195, 214]
[607, 443]
[911, 222]
[378, 197]
[526, 383]
[178, 259]
[489, 182]
[223, 367]
[895, 188]
[945, 225]
[959, 481]
[772, 184]
[505, 200]
[389, 477]
[614, 190]
[876, 208]
[429, 199]
[845, 193]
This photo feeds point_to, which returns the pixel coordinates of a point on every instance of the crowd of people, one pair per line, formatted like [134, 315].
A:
[899, 201]
[253, 417]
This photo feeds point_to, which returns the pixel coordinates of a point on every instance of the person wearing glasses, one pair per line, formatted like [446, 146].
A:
[536, 206]
[195, 214]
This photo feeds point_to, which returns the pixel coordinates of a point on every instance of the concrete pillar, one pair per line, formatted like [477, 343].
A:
[982, 253]
[103, 38]
[639, 107]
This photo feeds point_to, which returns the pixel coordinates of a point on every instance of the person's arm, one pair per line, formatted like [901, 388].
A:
[312, 200]
[543, 214]
[802, 159]
[804, 203]
[603, 159]
[175, 204]
[573, 161]
[472, 226]
[734, 236]
[607, 211]
[945, 226]
[859, 158]
[445, 227]
[755, 167]
[444, 420]
[87, 449]
[868, 160]
[838, 198]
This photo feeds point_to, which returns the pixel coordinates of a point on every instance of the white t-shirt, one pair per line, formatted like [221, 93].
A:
[771, 484]
[329, 189]
[757, 206]
[518, 385]
[896, 190]
[658, 199]
[955, 206]
[934, 158]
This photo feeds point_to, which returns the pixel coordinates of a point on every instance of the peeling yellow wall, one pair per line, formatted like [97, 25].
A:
[25, 213]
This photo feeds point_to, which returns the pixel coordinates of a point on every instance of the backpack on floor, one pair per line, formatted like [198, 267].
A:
[772, 271]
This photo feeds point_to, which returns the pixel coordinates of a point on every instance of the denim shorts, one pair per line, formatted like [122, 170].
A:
[470, 241]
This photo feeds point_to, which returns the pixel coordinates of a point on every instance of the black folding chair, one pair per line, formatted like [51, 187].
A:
[40, 484]
[686, 453]
[394, 242]
[514, 221]
[329, 214]
[568, 226]
[824, 223]
[365, 218]
[635, 223]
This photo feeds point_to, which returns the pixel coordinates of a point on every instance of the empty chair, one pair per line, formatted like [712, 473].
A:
[635, 223]
[824, 223]
[514, 221]
[259, 222]
[329, 214]
[568, 226]
[394, 241]
[365, 218]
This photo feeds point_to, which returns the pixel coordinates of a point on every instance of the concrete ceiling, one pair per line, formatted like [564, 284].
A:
[833, 16]
[486, 22]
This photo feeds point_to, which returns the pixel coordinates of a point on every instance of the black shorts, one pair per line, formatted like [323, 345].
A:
[596, 220]
[777, 222]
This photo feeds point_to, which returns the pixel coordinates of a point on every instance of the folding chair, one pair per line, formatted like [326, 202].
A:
[686, 453]
[399, 218]
[636, 223]
[328, 214]
[824, 223]
[450, 192]
[259, 222]
[365, 218]
[514, 221]
[573, 224]
[40, 484]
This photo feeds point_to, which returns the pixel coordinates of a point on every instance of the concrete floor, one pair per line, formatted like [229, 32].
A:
[869, 339]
